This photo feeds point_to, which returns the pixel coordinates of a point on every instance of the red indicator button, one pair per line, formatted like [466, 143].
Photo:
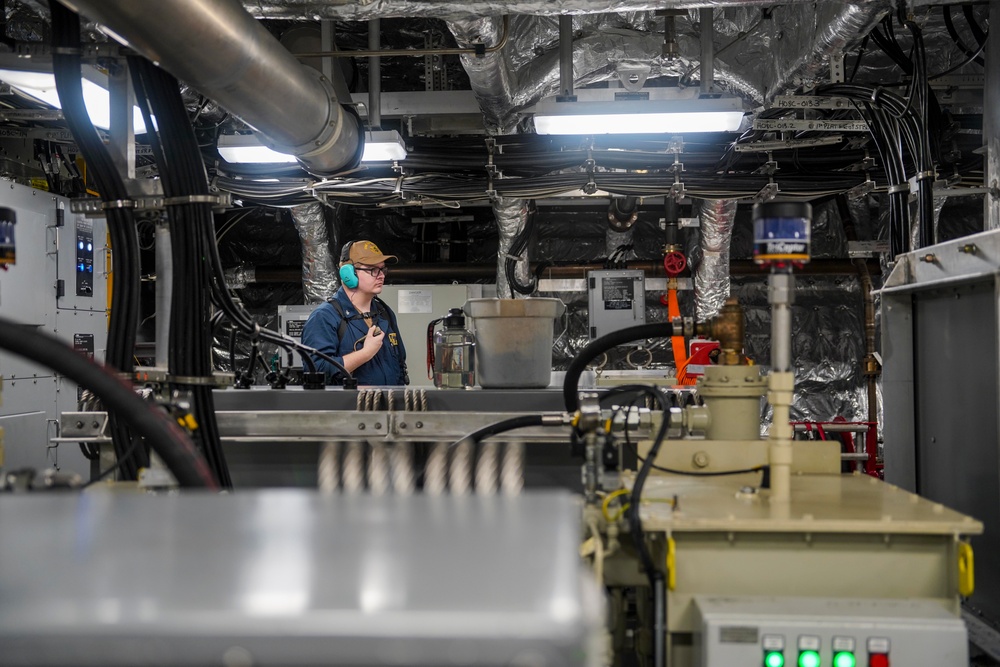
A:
[878, 660]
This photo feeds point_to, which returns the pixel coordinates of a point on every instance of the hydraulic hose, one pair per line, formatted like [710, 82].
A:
[602, 345]
[501, 427]
[162, 434]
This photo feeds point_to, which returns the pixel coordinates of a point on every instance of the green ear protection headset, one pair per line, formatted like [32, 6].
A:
[348, 276]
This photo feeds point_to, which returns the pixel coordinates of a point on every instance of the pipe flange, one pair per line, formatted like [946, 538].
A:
[319, 154]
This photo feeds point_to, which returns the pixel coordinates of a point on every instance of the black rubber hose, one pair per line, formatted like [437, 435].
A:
[602, 345]
[162, 434]
[501, 427]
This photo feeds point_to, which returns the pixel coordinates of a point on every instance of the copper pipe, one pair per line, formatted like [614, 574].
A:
[729, 328]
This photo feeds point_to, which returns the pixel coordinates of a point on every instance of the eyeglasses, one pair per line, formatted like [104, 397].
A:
[373, 271]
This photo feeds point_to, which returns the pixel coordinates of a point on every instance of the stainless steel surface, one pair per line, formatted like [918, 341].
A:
[487, 401]
[217, 47]
[321, 425]
[968, 259]
[164, 292]
[293, 578]
[941, 324]
[390, 426]
[122, 131]
[991, 126]
[957, 443]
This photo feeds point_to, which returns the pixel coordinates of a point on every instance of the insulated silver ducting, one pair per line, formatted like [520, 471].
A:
[218, 48]
[802, 58]
[511, 215]
[503, 88]
[599, 57]
[711, 278]
[491, 77]
[448, 9]
[319, 276]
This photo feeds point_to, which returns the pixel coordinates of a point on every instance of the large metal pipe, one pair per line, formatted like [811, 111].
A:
[219, 49]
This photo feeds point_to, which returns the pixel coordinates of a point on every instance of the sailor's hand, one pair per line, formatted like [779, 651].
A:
[373, 341]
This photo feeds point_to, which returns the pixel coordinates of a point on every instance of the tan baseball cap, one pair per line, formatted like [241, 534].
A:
[366, 252]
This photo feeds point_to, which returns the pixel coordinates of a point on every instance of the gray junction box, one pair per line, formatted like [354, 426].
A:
[617, 300]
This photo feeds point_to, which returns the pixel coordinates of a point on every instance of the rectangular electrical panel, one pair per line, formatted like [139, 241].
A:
[821, 632]
[617, 300]
[84, 257]
[292, 318]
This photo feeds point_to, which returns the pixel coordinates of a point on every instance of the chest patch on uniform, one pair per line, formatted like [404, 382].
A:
[392, 339]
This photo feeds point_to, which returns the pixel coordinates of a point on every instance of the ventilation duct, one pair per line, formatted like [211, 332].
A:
[512, 216]
[711, 278]
[318, 272]
[454, 9]
[219, 49]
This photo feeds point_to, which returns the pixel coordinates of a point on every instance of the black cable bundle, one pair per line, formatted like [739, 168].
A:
[899, 130]
[192, 233]
[148, 81]
[121, 226]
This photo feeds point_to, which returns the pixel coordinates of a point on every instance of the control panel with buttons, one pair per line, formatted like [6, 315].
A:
[84, 257]
[827, 632]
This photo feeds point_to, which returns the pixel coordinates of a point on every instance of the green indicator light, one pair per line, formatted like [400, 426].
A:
[774, 659]
[844, 659]
[809, 659]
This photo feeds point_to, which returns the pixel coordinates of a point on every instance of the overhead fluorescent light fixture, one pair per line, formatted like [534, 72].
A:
[246, 148]
[380, 146]
[639, 116]
[42, 87]
[383, 146]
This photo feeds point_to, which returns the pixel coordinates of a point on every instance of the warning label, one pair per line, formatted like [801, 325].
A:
[618, 293]
[294, 328]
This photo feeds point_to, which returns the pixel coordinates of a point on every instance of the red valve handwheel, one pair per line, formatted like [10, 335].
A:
[674, 263]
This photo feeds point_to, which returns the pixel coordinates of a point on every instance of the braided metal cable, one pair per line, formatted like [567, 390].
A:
[328, 479]
[404, 482]
[487, 468]
[460, 474]
[378, 469]
[512, 469]
[423, 400]
[354, 467]
[361, 401]
[436, 472]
